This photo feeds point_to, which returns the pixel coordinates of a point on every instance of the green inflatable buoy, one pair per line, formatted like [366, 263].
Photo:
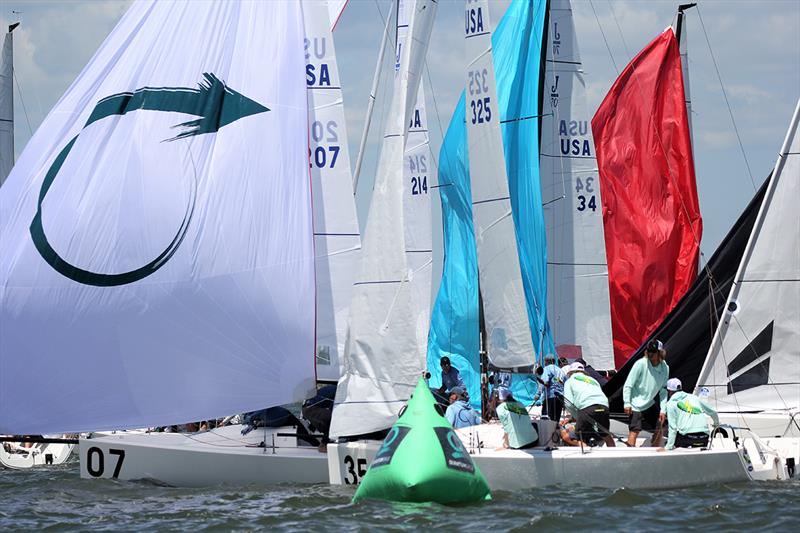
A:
[423, 460]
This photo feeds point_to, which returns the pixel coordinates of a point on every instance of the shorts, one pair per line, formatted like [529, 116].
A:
[647, 420]
[592, 422]
[691, 440]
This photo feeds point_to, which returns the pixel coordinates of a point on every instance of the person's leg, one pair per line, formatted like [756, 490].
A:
[601, 417]
[634, 427]
[651, 417]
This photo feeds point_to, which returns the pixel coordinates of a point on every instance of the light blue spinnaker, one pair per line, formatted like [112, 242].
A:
[517, 50]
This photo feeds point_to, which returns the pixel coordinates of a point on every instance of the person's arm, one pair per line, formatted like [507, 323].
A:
[628, 387]
[450, 415]
[459, 381]
[673, 430]
[662, 394]
[707, 409]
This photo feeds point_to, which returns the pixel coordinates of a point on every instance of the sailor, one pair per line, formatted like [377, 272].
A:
[450, 376]
[590, 371]
[648, 378]
[552, 379]
[459, 413]
[517, 425]
[688, 426]
[584, 397]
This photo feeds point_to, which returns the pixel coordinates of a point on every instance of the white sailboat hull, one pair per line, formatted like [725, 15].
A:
[637, 468]
[14, 455]
[219, 457]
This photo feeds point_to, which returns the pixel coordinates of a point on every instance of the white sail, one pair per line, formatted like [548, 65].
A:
[578, 305]
[382, 360]
[754, 360]
[509, 342]
[336, 233]
[335, 10]
[419, 175]
[187, 149]
[7, 105]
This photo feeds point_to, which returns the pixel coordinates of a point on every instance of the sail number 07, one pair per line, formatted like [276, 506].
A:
[96, 462]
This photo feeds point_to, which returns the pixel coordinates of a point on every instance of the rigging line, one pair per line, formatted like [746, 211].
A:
[727, 103]
[22, 101]
[624, 44]
[604, 37]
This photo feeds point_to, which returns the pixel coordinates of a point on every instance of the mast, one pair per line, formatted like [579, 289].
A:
[376, 78]
[680, 34]
[7, 104]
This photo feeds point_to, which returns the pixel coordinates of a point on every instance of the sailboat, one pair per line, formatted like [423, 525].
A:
[752, 369]
[223, 320]
[612, 467]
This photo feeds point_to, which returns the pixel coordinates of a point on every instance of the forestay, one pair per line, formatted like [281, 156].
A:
[577, 274]
[754, 360]
[508, 329]
[156, 254]
[7, 104]
[336, 234]
[382, 359]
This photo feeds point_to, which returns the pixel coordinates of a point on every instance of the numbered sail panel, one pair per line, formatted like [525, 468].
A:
[337, 241]
[754, 362]
[578, 303]
[383, 326]
[508, 330]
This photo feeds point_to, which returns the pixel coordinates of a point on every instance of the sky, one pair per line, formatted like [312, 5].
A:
[756, 45]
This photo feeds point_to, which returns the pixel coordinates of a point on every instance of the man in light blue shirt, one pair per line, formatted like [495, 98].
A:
[688, 425]
[459, 413]
[519, 431]
[648, 378]
[552, 379]
[588, 404]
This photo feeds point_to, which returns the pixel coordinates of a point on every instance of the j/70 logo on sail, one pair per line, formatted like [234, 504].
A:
[216, 104]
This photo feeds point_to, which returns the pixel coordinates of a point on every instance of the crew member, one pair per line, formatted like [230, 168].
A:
[688, 426]
[648, 379]
[552, 379]
[459, 413]
[450, 376]
[517, 425]
[584, 397]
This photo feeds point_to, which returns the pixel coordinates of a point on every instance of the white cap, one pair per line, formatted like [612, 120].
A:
[503, 393]
[575, 367]
[704, 392]
[674, 384]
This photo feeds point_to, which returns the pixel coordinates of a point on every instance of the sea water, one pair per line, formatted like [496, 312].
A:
[55, 498]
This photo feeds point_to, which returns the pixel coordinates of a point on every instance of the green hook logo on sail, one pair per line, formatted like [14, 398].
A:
[217, 106]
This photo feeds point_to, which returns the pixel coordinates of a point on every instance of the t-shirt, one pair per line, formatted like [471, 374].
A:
[553, 378]
[687, 414]
[582, 391]
[516, 423]
[451, 379]
[461, 415]
[643, 383]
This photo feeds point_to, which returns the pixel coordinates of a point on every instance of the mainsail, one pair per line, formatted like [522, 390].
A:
[383, 362]
[651, 213]
[336, 234]
[187, 149]
[754, 360]
[577, 274]
[7, 104]
[506, 197]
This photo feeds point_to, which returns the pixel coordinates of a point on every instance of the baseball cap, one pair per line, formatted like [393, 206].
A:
[575, 367]
[674, 384]
[654, 346]
[458, 391]
[444, 360]
[503, 393]
[704, 392]
[549, 357]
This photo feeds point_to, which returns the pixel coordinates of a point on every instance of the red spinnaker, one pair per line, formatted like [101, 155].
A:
[651, 214]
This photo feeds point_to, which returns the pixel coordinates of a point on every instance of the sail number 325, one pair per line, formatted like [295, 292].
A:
[480, 105]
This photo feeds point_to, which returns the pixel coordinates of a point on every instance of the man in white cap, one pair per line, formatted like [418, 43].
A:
[519, 431]
[584, 397]
[647, 379]
[688, 426]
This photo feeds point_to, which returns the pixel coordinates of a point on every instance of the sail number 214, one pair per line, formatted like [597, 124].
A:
[479, 104]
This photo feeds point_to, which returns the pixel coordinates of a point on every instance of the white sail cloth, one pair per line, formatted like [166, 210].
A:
[578, 305]
[186, 134]
[336, 234]
[508, 334]
[754, 360]
[7, 106]
[382, 360]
